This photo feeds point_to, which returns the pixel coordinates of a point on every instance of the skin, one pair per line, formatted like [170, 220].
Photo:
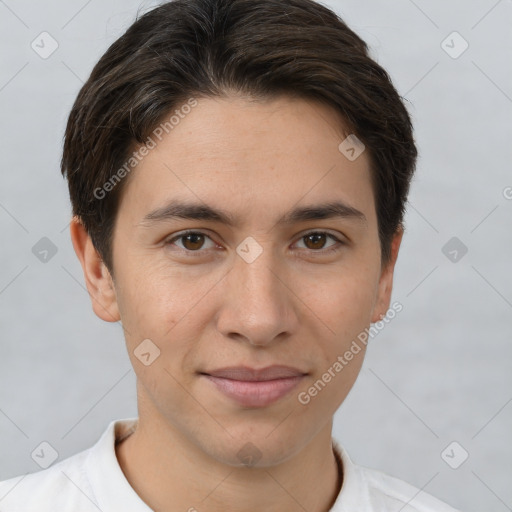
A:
[296, 304]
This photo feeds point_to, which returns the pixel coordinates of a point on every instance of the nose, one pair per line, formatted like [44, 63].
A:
[258, 304]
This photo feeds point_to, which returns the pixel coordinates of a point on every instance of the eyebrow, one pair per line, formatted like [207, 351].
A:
[195, 211]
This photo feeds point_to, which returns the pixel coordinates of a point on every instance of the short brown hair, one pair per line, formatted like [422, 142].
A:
[207, 48]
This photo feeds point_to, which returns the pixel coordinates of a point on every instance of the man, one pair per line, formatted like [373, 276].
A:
[238, 172]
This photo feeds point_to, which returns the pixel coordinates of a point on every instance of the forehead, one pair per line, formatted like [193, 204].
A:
[255, 157]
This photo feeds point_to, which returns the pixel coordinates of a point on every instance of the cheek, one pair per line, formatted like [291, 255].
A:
[341, 299]
[156, 298]
[326, 390]
[168, 308]
[342, 306]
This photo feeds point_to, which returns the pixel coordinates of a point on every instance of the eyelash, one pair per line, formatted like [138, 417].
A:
[335, 248]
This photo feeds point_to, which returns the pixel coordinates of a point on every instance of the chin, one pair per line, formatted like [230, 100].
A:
[251, 446]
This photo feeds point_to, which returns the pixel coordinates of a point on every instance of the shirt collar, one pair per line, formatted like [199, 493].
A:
[354, 493]
[105, 474]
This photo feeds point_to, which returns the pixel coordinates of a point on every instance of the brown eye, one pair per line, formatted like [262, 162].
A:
[316, 240]
[191, 241]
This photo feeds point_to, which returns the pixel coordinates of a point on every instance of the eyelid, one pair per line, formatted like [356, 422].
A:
[339, 236]
[339, 240]
[182, 234]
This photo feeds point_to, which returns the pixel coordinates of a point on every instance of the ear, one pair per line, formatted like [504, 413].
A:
[98, 280]
[386, 279]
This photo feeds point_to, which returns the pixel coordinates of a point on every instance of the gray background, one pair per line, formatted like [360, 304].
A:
[438, 373]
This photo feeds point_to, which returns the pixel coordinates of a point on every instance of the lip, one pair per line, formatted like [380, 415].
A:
[251, 387]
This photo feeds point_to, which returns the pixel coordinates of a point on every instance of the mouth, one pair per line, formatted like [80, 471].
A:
[250, 387]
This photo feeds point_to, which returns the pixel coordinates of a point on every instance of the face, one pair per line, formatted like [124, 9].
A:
[267, 278]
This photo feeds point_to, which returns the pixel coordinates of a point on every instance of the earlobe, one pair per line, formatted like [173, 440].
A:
[386, 280]
[97, 277]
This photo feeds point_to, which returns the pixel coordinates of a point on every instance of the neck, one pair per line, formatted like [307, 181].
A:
[170, 474]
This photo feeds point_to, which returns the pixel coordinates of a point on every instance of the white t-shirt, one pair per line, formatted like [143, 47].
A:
[92, 481]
